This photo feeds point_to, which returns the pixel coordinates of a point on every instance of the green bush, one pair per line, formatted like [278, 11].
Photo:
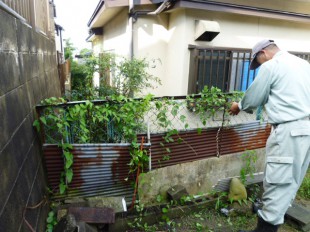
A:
[304, 190]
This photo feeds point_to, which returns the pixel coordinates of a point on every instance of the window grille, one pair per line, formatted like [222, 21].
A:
[226, 69]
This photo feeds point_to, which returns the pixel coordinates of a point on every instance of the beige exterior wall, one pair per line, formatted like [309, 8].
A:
[244, 31]
[237, 31]
[166, 37]
[116, 36]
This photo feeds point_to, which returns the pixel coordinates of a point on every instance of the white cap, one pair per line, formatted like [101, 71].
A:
[256, 49]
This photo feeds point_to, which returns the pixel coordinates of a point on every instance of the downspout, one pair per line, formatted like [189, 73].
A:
[130, 22]
[134, 15]
[165, 4]
[61, 45]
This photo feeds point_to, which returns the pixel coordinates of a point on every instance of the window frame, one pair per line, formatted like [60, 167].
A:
[236, 68]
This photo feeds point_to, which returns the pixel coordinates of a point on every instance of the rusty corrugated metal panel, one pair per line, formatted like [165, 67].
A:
[196, 146]
[99, 169]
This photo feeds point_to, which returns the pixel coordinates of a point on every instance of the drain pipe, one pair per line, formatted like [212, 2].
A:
[130, 24]
[165, 4]
[133, 16]
[11, 11]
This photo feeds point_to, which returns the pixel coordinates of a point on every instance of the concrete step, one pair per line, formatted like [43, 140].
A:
[300, 216]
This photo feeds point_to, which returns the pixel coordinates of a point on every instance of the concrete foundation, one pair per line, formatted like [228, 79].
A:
[197, 177]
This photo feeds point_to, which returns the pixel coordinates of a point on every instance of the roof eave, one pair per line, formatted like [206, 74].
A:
[243, 10]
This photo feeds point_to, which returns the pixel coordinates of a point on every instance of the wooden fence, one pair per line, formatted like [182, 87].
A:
[36, 13]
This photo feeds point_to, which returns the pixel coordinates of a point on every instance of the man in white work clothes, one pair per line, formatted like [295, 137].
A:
[282, 85]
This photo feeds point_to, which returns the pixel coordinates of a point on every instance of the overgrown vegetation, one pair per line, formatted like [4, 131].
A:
[120, 117]
[304, 190]
[206, 214]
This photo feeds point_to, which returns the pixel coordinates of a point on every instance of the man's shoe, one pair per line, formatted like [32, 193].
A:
[263, 226]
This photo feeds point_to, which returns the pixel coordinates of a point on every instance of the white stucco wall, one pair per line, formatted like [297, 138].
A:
[241, 31]
[116, 35]
[237, 31]
[166, 38]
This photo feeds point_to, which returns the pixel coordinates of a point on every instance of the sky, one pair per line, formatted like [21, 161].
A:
[73, 16]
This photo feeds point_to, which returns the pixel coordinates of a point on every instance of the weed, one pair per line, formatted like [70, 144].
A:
[249, 158]
[304, 190]
[51, 221]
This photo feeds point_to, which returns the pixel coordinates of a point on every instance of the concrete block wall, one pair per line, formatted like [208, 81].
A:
[198, 177]
[28, 74]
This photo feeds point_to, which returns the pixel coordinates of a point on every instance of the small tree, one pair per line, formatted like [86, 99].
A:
[69, 49]
[125, 77]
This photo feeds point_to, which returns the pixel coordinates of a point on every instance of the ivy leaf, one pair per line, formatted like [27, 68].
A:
[51, 214]
[36, 124]
[43, 120]
[164, 210]
[49, 219]
[62, 188]
[182, 118]
[199, 130]
[69, 175]
[69, 163]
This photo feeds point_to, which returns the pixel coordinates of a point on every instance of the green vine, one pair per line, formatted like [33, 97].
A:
[87, 123]
[118, 120]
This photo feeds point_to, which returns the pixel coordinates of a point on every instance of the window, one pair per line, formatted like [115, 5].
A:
[226, 69]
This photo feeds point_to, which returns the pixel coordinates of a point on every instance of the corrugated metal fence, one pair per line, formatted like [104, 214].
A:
[99, 169]
[102, 169]
[190, 146]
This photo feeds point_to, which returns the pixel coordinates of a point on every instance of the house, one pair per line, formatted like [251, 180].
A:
[199, 42]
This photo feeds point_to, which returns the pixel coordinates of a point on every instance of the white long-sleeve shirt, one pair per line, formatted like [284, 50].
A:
[283, 86]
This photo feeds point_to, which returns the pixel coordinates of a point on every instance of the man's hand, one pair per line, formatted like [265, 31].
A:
[234, 109]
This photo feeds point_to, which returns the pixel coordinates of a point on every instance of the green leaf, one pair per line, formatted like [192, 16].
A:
[36, 124]
[182, 118]
[43, 120]
[68, 155]
[69, 163]
[164, 210]
[67, 145]
[69, 175]
[51, 214]
[62, 188]
[199, 130]
[49, 219]
[59, 125]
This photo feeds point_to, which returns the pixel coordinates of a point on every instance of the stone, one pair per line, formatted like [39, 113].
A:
[237, 190]
[66, 224]
[84, 227]
[176, 192]
[240, 209]
[61, 213]
[116, 203]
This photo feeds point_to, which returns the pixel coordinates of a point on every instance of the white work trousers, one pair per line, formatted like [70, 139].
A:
[287, 161]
